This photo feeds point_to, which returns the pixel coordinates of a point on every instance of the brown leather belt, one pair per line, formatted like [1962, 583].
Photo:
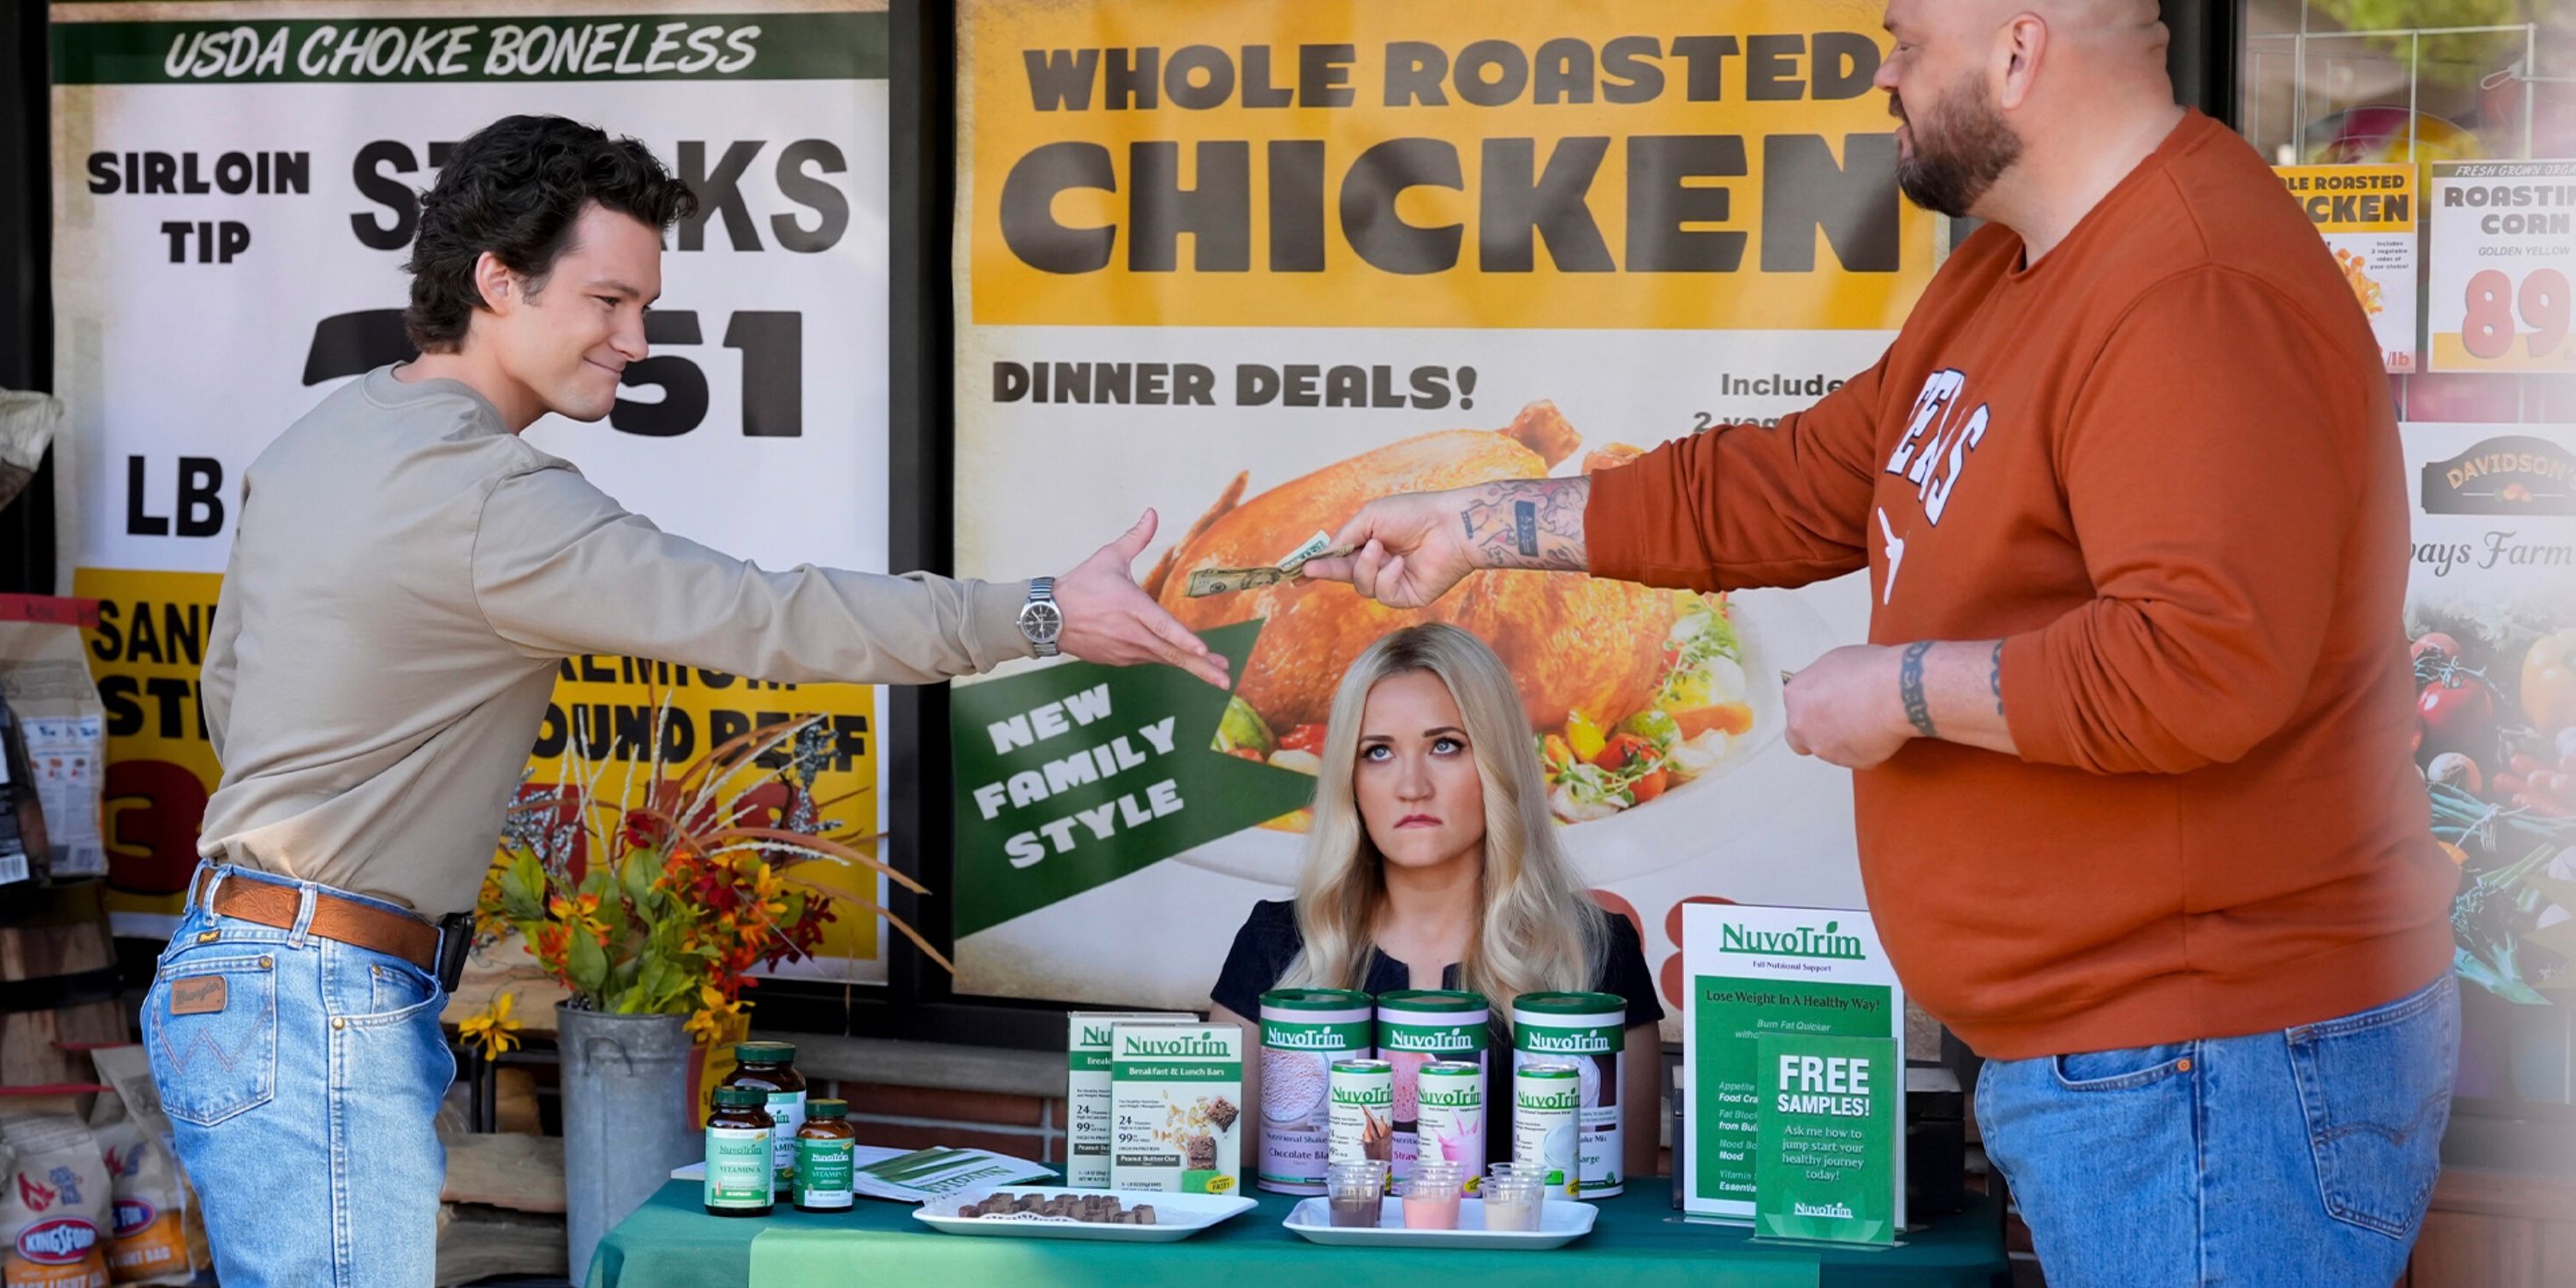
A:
[335, 917]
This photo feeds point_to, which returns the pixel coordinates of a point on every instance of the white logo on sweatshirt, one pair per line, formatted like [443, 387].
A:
[1937, 442]
[1895, 556]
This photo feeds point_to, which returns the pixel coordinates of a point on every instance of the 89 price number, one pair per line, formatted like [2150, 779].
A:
[2500, 315]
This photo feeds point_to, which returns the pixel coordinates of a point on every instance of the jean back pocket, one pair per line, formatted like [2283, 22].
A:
[214, 1036]
[2376, 1089]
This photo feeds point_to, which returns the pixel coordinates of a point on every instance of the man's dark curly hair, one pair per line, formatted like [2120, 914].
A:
[514, 189]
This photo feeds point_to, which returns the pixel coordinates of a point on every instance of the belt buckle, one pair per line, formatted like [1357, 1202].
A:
[455, 943]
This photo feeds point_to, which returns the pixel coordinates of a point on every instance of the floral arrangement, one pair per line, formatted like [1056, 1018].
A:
[665, 905]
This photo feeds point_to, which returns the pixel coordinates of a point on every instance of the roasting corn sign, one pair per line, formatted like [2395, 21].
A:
[1255, 262]
[235, 195]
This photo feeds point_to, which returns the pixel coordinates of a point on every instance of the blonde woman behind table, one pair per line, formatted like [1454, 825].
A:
[1433, 863]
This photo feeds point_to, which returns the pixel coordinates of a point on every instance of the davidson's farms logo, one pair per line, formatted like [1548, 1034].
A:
[2515, 474]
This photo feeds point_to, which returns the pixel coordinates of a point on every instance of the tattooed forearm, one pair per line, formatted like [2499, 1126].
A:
[1528, 523]
[1909, 688]
[1952, 691]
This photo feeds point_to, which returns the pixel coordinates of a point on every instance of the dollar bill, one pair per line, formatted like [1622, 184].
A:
[1315, 545]
[1298, 561]
[1226, 581]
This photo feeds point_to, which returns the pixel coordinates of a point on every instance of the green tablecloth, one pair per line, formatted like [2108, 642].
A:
[1638, 1242]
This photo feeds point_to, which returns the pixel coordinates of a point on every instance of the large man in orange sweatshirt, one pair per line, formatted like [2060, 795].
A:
[2137, 814]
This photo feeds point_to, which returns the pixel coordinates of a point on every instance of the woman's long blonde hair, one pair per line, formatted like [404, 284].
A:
[1538, 931]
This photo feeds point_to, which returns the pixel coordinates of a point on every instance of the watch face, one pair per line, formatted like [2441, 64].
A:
[1041, 622]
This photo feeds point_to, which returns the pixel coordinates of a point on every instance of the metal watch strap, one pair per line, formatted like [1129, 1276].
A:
[1042, 591]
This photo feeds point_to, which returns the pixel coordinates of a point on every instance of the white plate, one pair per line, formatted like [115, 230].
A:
[1176, 1216]
[1561, 1221]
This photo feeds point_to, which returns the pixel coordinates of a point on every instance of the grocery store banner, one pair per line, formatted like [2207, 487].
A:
[1255, 262]
[2491, 608]
[235, 195]
[2503, 254]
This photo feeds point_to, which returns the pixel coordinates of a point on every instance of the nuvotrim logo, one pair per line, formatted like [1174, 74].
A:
[1805, 941]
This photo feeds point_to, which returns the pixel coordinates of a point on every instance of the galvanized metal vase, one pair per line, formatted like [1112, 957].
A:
[626, 1116]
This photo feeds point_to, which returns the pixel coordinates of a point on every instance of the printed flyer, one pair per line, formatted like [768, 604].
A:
[2367, 214]
[2502, 252]
[260, 163]
[1755, 972]
[1831, 1141]
[1255, 264]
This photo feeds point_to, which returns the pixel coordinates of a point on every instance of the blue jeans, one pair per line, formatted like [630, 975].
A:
[2300, 1157]
[302, 1076]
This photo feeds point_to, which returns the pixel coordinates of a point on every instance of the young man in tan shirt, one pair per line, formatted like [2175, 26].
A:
[406, 576]
[2136, 808]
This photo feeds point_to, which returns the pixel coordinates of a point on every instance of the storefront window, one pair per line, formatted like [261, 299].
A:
[2360, 82]
[2420, 135]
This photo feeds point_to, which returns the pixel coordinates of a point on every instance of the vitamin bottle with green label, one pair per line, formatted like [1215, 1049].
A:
[824, 1146]
[771, 1067]
[738, 1154]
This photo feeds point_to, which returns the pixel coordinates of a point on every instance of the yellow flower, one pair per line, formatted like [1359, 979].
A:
[713, 1010]
[767, 891]
[492, 1032]
[581, 913]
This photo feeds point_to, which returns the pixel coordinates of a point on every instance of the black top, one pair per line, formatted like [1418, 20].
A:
[1270, 940]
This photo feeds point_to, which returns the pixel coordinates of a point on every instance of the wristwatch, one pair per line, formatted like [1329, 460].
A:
[1041, 621]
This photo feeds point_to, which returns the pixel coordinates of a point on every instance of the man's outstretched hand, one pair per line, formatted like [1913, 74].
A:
[1410, 550]
[1109, 618]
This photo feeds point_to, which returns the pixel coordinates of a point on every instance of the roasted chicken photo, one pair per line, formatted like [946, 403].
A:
[1631, 687]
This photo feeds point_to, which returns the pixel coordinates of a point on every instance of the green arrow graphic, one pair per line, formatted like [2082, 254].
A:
[1074, 776]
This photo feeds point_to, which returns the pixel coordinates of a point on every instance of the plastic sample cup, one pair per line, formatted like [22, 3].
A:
[1514, 1199]
[1354, 1192]
[1431, 1195]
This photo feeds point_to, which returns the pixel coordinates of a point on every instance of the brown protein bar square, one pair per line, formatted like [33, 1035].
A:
[1223, 1113]
[1202, 1153]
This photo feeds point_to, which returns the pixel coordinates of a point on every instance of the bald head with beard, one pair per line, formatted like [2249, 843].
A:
[1988, 88]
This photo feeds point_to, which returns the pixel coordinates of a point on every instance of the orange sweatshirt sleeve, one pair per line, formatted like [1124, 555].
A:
[1745, 505]
[2205, 466]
